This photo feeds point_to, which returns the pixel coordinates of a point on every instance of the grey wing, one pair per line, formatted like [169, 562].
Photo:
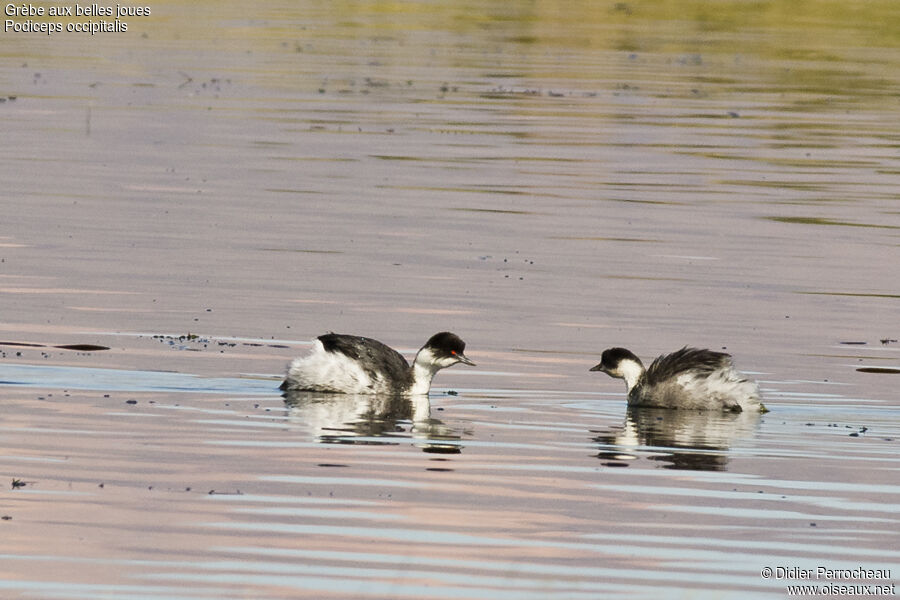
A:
[373, 356]
[671, 365]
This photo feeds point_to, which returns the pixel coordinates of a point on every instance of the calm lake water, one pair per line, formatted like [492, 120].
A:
[205, 193]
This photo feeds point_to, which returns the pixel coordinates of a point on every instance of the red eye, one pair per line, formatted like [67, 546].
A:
[453, 352]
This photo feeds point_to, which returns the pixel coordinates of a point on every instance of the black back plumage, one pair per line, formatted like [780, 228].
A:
[697, 360]
[374, 357]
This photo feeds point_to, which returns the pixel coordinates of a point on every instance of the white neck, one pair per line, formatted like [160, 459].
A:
[423, 371]
[631, 372]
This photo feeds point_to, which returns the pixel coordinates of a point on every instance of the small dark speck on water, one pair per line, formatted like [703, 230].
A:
[82, 347]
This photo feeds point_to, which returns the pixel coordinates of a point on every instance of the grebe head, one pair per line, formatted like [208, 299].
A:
[443, 350]
[621, 363]
[614, 361]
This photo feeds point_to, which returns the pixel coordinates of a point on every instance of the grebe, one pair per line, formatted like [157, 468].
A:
[690, 379]
[349, 364]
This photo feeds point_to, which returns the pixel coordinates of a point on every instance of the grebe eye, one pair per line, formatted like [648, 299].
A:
[453, 352]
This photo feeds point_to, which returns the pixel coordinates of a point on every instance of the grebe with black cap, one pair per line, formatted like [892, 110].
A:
[350, 364]
[689, 379]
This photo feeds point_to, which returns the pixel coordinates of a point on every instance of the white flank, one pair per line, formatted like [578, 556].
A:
[324, 371]
[725, 387]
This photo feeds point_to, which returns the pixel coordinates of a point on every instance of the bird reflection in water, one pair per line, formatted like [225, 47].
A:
[371, 419]
[680, 439]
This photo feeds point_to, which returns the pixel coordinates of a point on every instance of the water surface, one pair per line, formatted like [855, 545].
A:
[207, 192]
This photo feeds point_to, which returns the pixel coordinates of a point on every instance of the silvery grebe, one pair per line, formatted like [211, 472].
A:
[349, 364]
[690, 379]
